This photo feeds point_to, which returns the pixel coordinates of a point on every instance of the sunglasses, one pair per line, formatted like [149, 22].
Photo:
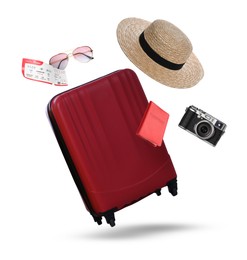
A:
[83, 54]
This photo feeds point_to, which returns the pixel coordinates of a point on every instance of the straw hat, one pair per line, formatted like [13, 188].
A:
[161, 50]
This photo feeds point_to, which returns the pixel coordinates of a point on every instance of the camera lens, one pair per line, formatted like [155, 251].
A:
[204, 129]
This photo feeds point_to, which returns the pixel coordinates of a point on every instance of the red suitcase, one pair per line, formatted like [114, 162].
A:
[95, 125]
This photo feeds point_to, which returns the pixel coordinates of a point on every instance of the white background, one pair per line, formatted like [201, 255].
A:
[41, 212]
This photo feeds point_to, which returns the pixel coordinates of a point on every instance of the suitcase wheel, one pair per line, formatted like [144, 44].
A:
[112, 222]
[173, 187]
[110, 218]
[98, 220]
[158, 192]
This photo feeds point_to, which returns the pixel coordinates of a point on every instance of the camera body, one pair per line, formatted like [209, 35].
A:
[202, 125]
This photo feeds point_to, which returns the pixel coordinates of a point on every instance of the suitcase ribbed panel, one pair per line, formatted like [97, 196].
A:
[98, 123]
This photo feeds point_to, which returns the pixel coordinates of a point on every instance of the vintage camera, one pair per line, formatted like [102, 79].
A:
[202, 125]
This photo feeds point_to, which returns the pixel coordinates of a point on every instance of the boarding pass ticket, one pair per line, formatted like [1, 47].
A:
[43, 72]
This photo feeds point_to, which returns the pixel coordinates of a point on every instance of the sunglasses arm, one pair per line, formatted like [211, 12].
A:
[61, 62]
[90, 57]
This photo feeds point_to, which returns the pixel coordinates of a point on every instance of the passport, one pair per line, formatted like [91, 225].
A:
[153, 124]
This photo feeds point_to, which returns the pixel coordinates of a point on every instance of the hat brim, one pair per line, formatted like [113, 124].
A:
[128, 32]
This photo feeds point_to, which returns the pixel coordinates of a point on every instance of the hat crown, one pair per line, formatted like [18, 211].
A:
[168, 41]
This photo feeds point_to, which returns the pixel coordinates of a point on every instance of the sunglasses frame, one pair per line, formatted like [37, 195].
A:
[68, 55]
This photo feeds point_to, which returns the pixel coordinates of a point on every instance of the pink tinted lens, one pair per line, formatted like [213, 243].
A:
[59, 61]
[83, 54]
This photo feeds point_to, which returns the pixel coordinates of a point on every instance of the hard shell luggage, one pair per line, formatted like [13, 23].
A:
[95, 125]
